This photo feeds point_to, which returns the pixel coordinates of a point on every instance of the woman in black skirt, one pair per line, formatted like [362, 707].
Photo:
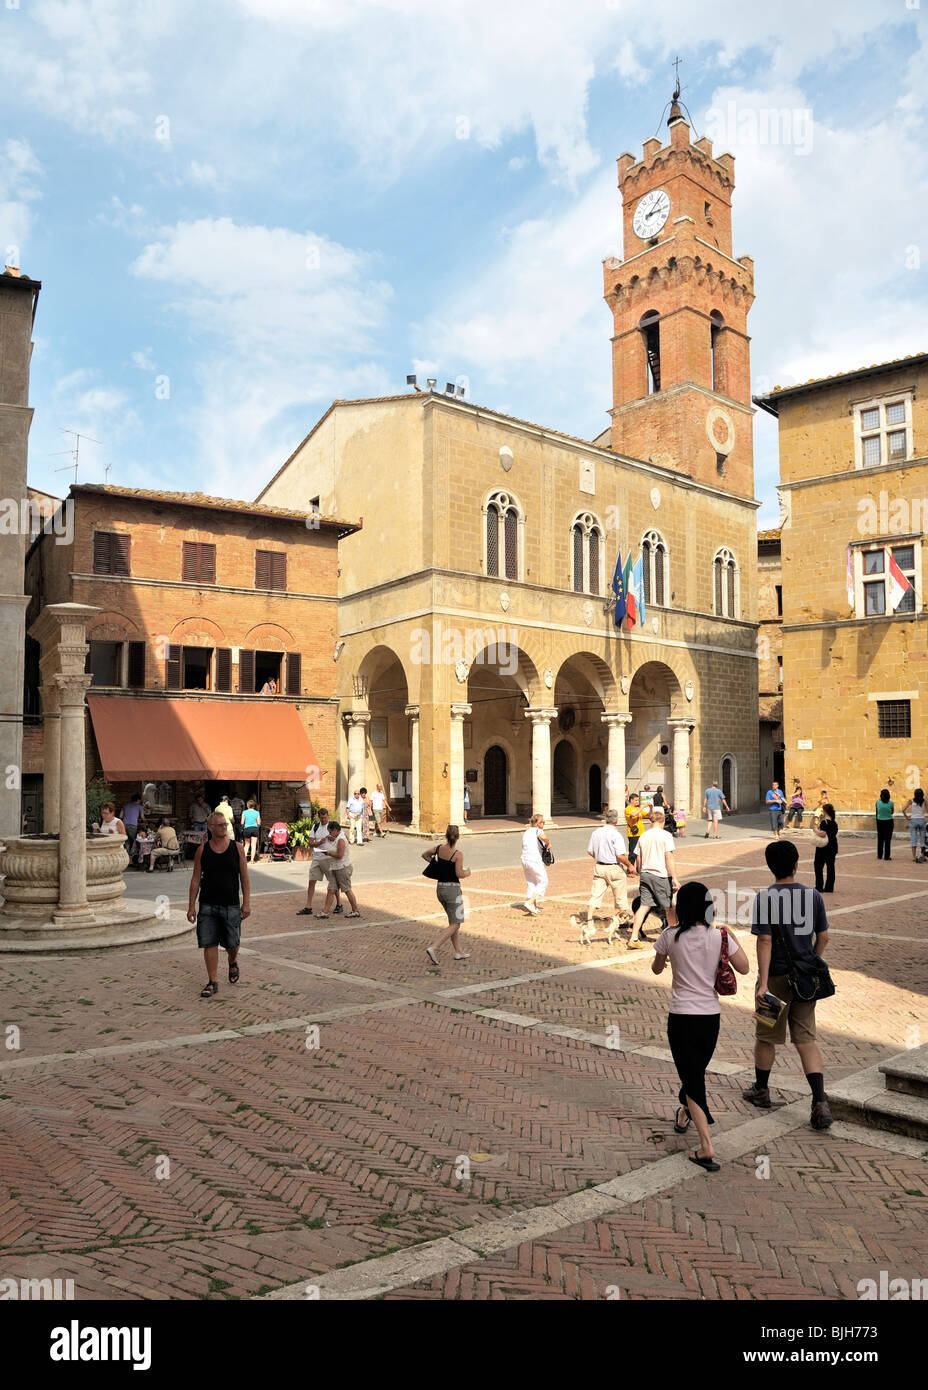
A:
[694, 949]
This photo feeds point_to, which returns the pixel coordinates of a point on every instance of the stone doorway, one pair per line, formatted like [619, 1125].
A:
[595, 789]
[494, 782]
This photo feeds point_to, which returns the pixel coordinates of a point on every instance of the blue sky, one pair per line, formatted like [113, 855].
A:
[272, 203]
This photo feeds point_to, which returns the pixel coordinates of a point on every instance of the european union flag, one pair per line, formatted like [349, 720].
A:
[618, 588]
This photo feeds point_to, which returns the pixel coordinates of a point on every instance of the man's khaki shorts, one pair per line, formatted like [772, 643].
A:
[317, 872]
[801, 1016]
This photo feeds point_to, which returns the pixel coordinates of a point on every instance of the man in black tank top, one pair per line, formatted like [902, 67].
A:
[219, 870]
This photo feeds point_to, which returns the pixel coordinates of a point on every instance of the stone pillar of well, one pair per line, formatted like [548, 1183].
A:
[412, 713]
[681, 763]
[541, 760]
[615, 723]
[61, 630]
[356, 723]
[51, 749]
[456, 772]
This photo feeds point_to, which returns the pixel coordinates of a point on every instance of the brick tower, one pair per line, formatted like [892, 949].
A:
[681, 383]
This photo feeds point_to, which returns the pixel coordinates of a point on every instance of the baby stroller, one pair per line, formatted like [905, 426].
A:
[278, 842]
[670, 821]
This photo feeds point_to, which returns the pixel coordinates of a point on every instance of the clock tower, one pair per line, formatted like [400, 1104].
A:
[681, 383]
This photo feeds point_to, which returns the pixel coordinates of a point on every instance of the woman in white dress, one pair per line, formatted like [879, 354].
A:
[536, 875]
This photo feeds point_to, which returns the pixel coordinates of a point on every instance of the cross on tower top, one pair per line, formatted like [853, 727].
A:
[676, 66]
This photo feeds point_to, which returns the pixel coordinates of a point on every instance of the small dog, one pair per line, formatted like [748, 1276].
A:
[587, 926]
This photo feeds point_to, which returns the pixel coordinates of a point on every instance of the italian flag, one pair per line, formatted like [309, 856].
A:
[897, 584]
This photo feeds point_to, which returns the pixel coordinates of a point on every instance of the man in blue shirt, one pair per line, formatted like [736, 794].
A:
[776, 803]
[713, 799]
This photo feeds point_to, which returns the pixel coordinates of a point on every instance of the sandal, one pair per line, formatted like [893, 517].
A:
[677, 1127]
[305, 912]
[209, 990]
[709, 1164]
[234, 972]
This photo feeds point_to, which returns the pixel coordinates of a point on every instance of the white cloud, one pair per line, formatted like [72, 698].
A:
[143, 360]
[19, 169]
[285, 322]
[204, 174]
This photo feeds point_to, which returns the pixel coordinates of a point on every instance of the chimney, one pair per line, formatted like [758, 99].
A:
[13, 270]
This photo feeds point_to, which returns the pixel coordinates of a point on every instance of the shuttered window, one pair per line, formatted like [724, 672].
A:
[224, 668]
[199, 564]
[110, 553]
[136, 671]
[294, 669]
[578, 558]
[172, 668]
[246, 673]
[270, 569]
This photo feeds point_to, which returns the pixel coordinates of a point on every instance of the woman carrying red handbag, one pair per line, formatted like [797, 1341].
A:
[701, 959]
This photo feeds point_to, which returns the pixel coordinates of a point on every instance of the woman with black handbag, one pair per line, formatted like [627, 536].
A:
[446, 867]
[536, 855]
[701, 961]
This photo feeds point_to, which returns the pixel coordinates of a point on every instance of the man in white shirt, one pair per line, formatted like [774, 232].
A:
[658, 874]
[321, 864]
[607, 850]
[355, 809]
[378, 803]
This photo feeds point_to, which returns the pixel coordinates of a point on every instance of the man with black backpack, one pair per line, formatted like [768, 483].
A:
[791, 927]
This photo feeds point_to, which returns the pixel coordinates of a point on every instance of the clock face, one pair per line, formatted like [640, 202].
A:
[651, 213]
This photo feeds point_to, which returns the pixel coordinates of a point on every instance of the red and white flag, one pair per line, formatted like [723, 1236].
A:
[898, 585]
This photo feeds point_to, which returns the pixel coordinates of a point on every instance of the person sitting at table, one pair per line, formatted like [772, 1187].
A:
[110, 824]
[165, 844]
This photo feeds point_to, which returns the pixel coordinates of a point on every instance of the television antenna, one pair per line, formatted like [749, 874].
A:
[75, 452]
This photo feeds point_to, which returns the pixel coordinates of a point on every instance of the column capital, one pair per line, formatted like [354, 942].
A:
[616, 717]
[539, 715]
[411, 711]
[72, 688]
[356, 717]
[679, 725]
[461, 711]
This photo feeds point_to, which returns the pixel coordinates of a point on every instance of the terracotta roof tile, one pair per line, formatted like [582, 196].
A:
[203, 499]
[913, 358]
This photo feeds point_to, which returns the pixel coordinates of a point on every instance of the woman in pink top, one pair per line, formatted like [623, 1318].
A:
[694, 949]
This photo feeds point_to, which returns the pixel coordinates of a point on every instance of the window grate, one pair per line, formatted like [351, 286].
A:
[578, 558]
[492, 541]
[894, 718]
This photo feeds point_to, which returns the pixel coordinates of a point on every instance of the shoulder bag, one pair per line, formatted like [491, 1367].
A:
[808, 979]
[725, 982]
[547, 854]
[431, 868]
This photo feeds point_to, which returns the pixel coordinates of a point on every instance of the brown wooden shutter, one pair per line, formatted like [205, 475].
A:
[101, 552]
[278, 570]
[262, 569]
[190, 572]
[208, 564]
[136, 665]
[294, 670]
[246, 673]
[223, 668]
[172, 668]
[119, 552]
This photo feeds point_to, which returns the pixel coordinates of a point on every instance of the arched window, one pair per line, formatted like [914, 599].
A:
[656, 568]
[503, 539]
[651, 332]
[587, 561]
[716, 324]
[726, 586]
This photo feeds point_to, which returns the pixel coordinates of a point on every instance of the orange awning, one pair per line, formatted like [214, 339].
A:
[185, 740]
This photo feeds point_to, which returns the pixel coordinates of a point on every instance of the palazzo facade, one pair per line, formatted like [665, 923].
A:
[475, 646]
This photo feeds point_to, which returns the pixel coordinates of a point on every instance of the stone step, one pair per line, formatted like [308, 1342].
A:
[864, 1100]
[907, 1074]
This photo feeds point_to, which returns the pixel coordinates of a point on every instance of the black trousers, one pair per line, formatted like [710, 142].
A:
[692, 1039]
[825, 869]
[884, 839]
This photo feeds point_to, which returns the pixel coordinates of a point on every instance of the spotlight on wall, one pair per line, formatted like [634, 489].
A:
[411, 381]
[460, 392]
[431, 382]
[449, 388]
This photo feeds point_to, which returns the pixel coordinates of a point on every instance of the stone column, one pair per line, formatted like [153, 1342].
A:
[73, 906]
[456, 770]
[356, 724]
[615, 723]
[51, 745]
[541, 760]
[681, 763]
[412, 712]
